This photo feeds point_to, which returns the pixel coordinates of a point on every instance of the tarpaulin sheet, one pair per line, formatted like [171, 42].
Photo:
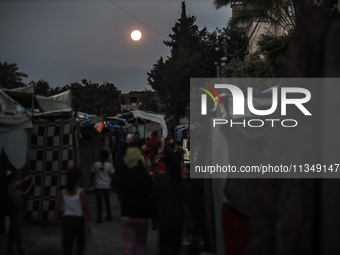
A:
[158, 118]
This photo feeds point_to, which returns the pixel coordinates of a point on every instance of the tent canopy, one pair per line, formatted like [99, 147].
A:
[12, 115]
[62, 101]
[14, 130]
[154, 117]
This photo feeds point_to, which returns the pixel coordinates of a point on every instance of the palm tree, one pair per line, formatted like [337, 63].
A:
[281, 12]
[10, 77]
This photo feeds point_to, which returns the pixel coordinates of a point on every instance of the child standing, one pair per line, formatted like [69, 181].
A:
[75, 215]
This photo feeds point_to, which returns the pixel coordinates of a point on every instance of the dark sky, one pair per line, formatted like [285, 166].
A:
[67, 41]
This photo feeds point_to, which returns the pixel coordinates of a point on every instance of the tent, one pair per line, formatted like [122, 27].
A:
[47, 143]
[62, 101]
[115, 121]
[15, 125]
[53, 149]
[132, 117]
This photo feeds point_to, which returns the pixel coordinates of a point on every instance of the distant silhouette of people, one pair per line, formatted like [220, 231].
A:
[137, 140]
[75, 216]
[135, 188]
[102, 172]
[170, 146]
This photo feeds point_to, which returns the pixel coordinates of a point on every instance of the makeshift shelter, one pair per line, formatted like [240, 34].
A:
[23, 95]
[53, 150]
[150, 121]
[46, 143]
[62, 101]
[15, 125]
[115, 121]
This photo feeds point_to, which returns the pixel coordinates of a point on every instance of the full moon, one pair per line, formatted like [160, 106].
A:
[136, 35]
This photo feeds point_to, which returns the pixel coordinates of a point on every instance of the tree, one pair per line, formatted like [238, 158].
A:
[10, 77]
[92, 97]
[233, 41]
[252, 67]
[266, 63]
[193, 54]
[273, 49]
[281, 12]
[41, 87]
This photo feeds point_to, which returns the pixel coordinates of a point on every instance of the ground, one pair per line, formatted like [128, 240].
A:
[103, 239]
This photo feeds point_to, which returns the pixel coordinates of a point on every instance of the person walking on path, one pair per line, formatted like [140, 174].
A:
[102, 172]
[75, 216]
[15, 210]
[135, 188]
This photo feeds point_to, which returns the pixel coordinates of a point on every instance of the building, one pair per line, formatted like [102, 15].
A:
[256, 28]
[140, 100]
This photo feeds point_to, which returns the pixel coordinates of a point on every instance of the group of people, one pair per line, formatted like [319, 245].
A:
[149, 186]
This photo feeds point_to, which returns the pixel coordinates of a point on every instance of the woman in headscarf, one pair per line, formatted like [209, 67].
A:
[135, 189]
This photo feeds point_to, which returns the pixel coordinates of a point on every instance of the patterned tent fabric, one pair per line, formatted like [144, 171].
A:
[51, 154]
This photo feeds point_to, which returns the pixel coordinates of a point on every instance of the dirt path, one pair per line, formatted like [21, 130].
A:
[103, 239]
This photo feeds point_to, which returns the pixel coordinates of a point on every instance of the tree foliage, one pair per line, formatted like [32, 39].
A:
[282, 12]
[41, 87]
[232, 40]
[100, 99]
[266, 63]
[193, 54]
[87, 96]
[95, 98]
[10, 77]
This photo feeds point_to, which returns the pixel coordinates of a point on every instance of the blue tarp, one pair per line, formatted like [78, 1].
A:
[88, 122]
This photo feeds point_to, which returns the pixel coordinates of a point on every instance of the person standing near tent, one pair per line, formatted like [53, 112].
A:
[14, 210]
[75, 216]
[102, 172]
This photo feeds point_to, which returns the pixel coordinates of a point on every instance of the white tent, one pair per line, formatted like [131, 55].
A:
[62, 101]
[154, 117]
[26, 90]
[15, 125]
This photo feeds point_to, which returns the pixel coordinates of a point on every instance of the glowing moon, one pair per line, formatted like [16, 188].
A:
[136, 35]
